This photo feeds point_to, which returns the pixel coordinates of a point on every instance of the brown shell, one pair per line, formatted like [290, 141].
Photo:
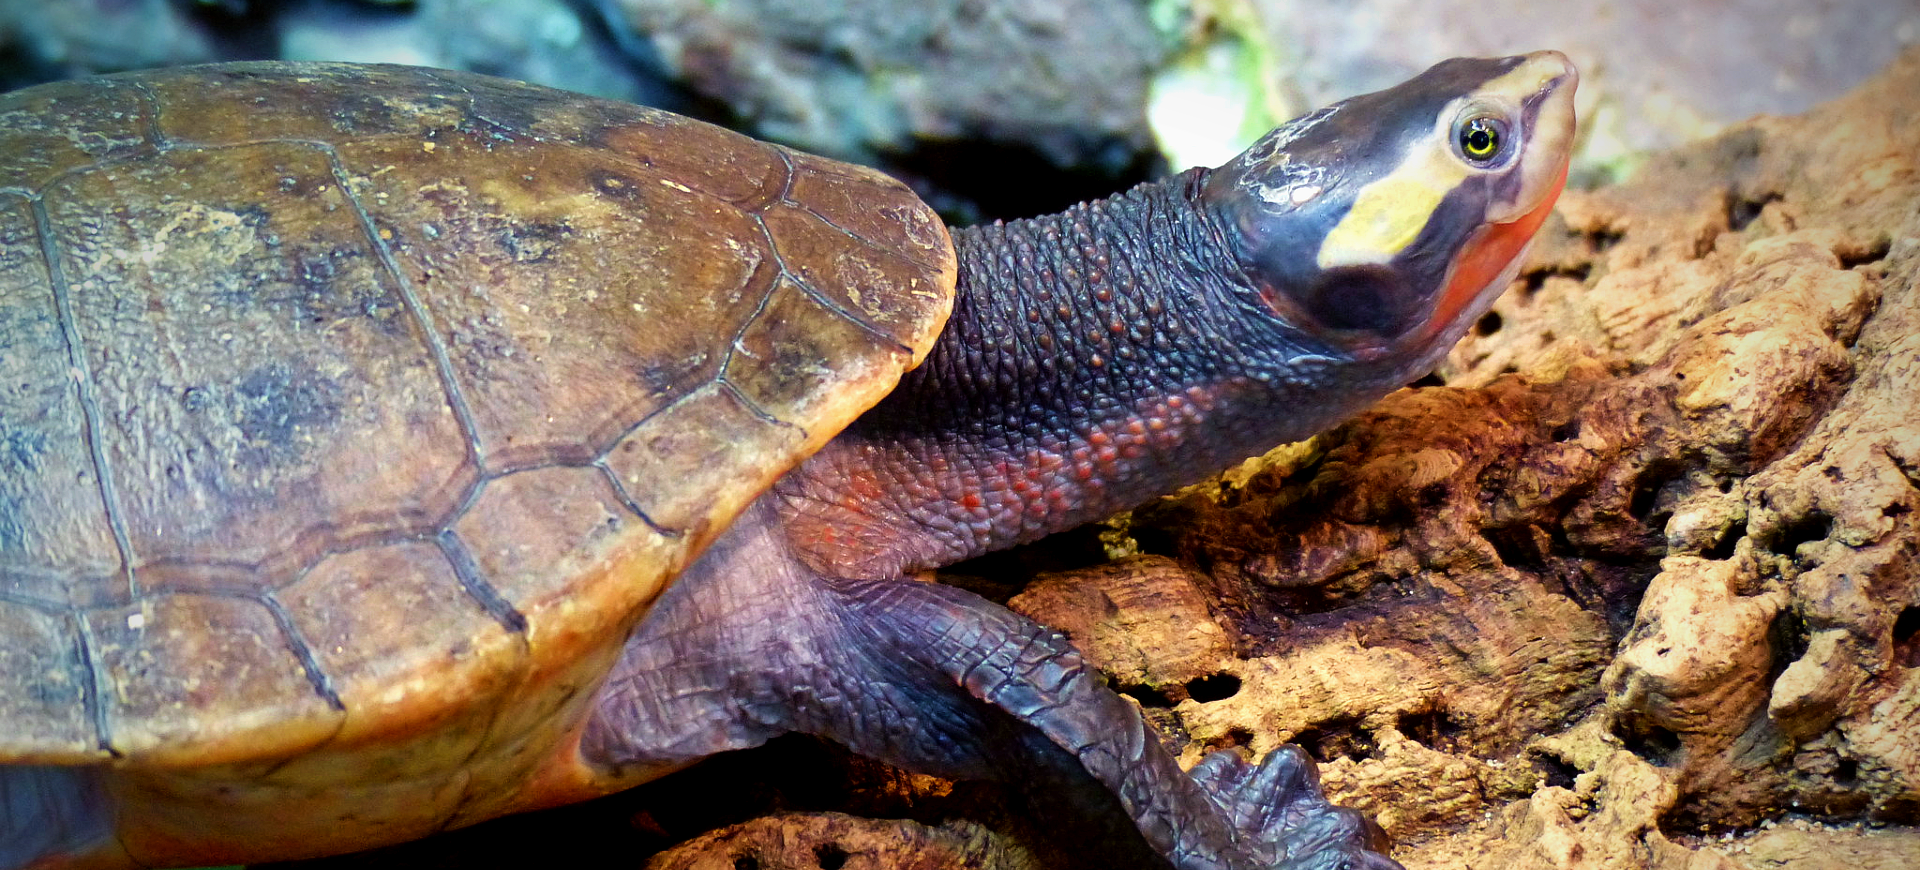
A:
[348, 407]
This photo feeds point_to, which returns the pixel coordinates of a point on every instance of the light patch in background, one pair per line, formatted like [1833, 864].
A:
[1654, 73]
[1222, 91]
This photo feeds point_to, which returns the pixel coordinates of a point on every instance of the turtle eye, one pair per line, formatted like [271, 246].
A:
[1481, 139]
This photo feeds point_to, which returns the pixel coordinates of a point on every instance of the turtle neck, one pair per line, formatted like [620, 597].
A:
[1095, 358]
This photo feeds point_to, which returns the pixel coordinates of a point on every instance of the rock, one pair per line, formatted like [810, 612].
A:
[1800, 844]
[546, 41]
[41, 41]
[856, 79]
[1141, 618]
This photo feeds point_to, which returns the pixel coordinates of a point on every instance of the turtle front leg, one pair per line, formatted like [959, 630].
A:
[751, 644]
[53, 814]
[1225, 814]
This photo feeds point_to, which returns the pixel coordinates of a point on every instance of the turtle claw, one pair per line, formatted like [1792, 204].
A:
[1279, 811]
[937, 642]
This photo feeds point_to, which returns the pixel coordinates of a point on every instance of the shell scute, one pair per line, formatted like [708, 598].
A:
[350, 339]
[58, 127]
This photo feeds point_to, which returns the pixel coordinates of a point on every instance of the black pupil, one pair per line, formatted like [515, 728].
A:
[1479, 138]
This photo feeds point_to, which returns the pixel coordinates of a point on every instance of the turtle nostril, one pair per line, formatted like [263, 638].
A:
[1557, 70]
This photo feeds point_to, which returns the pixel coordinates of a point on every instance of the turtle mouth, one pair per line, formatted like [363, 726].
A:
[1491, 257]
[1548, 116]
[1490, 260]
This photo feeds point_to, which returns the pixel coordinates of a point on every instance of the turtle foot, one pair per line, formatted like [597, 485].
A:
[1279, 809]
[51, 815]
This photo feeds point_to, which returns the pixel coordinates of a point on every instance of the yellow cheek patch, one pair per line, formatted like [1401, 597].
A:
[1388, 214]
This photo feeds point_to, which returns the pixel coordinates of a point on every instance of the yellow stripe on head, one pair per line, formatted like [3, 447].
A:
[1388, 214]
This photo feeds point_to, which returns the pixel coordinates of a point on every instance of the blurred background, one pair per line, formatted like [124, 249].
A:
[1007, 108]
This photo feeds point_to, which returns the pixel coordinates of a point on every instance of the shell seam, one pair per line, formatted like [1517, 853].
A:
[95, 688]
[468, 572]
[475, 585]
[620, 492]
[82, 374]
[322, 684]
[442, 361]
[773, 245]
[151, 123]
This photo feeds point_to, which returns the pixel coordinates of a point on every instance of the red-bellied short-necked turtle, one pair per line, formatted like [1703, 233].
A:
[386, 449]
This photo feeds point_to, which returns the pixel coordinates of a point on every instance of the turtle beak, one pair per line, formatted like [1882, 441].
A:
[1545, 82]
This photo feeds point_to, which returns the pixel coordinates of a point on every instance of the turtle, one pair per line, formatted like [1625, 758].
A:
[388, 449]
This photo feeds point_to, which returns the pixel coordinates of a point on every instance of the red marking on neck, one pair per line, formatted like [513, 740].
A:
[1487, 254]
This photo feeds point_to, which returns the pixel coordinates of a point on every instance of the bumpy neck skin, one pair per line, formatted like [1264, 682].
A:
[1095, 359]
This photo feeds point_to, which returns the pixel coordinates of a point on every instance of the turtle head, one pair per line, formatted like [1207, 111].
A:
[1378, 228]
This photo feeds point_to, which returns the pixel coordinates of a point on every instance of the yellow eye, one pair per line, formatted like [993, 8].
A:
[1482, 139]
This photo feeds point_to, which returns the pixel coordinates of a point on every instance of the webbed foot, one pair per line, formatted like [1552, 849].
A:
[1226, 814]
[1278, 810]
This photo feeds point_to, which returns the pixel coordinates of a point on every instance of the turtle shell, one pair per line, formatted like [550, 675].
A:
[354, 414]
